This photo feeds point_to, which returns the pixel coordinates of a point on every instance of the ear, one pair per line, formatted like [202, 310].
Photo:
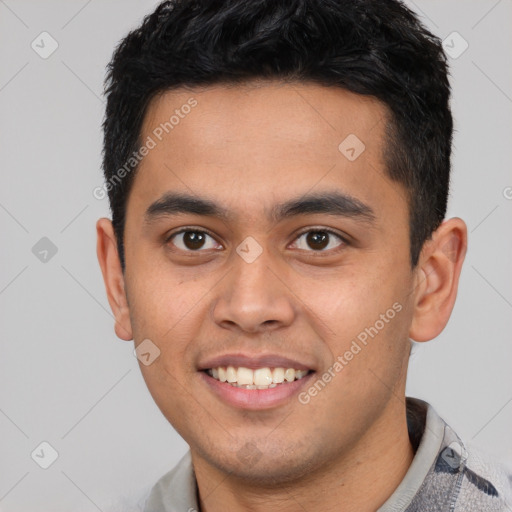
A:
[437, 279]
[113, 277]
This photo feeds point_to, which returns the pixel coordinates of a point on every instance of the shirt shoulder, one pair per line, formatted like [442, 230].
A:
[461, 478]
[176, 490]
[485, 480]
[447, 475]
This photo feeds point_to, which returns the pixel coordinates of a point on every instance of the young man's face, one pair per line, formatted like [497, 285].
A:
[266, 285]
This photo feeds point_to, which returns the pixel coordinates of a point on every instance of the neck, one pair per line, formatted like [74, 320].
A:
[361, 480]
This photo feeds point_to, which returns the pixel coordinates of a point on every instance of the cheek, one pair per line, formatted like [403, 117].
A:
[371, 307]
[160, 303]
[171, 393]
[169, 312]
[351, 300]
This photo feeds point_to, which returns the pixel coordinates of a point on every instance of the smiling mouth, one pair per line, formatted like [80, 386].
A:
[259, 378]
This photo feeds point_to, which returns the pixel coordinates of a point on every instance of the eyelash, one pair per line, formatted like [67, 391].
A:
[308, 230]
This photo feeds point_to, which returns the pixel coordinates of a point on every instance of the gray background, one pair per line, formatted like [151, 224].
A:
[67, 380]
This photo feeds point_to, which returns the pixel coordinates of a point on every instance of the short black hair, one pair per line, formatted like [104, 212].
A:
[369, 47]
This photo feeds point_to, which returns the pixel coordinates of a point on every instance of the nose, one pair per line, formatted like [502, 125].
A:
[254, 297]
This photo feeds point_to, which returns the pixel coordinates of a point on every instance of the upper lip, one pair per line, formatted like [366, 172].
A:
[253, 362]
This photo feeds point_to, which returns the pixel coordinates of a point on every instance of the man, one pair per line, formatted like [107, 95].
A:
[278, 176]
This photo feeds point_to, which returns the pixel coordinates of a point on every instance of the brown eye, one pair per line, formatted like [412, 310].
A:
[191, 240]
[318, 240]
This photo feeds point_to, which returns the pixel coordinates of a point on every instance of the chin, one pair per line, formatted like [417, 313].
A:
[269, 468]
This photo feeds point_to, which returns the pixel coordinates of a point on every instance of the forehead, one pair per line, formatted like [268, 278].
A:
[268, 113]
[263, 139]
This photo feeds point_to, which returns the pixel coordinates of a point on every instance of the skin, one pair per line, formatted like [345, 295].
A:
[248, 148]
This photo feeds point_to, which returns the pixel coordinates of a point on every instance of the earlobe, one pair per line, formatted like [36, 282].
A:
[113, 277]
[438, 275]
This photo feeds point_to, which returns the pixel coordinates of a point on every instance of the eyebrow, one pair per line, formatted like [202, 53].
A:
[331, 203]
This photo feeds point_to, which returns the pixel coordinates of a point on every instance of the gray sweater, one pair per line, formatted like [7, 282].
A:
[445, 475]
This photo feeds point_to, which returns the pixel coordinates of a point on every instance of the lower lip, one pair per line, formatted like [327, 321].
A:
[255, 399]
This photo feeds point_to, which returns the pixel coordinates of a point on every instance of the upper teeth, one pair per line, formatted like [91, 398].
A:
[265, 377]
